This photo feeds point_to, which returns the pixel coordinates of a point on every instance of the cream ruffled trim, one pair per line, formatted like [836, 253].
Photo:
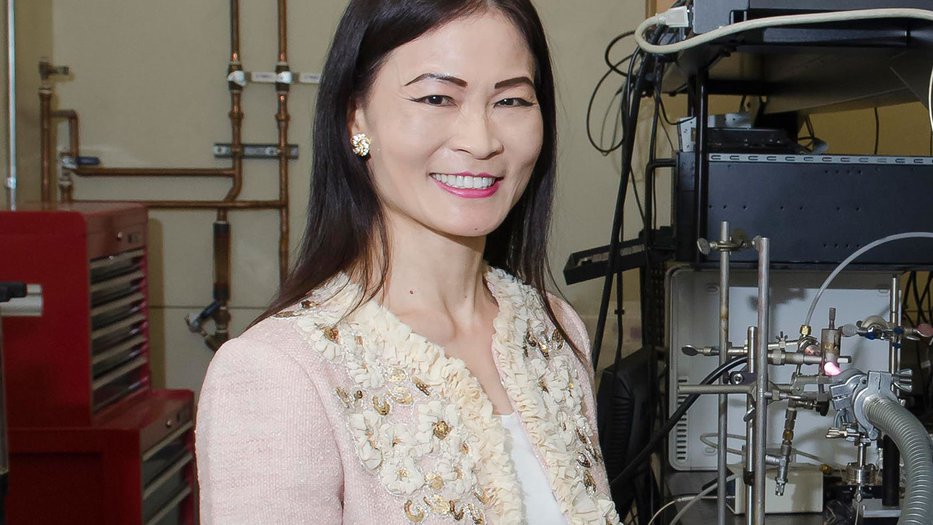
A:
[372, 343]
[449, 377]
[516, 303]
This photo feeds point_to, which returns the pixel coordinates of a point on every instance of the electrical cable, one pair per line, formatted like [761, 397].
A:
[773, 21]
[629, 124]
[925, 296]
[668, 504]
[860, 251]
[668, 120]
[912, 283]
[930, 107]
[697, 498]
[614, 66]
[877, 130]
[615, 123]
[678, 499]
[589, 110]
[673, 420]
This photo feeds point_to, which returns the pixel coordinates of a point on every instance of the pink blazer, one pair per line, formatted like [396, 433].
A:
[316, 416]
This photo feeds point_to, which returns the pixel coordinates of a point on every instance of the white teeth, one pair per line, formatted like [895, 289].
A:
[464, 181]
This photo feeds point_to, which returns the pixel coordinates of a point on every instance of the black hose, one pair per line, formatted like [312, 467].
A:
[633, 465]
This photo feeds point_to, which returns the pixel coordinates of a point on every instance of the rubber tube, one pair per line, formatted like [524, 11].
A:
[916, 451]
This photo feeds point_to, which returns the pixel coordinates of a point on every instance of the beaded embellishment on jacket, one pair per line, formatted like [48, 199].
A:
[423, 426]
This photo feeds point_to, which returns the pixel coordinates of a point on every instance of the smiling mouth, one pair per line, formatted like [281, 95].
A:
[465, 182]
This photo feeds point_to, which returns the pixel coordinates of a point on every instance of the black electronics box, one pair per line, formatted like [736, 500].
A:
[816, 209]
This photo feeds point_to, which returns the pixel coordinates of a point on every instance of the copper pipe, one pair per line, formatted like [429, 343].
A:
[96, 171]
[221, 316]
[283, 34]
[72, 117]
[45, 141]
[64, 187]
[236, 143]
[282, 118]
[234, 31]
[236, 111]
[203, 205]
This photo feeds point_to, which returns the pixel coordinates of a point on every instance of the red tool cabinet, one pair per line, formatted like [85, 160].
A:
[135, 467]
[90, 441]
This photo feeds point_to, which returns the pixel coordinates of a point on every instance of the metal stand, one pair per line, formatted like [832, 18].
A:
[756, 425]
[725, 246]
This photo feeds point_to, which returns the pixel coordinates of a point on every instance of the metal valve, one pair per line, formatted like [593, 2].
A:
[46, 70]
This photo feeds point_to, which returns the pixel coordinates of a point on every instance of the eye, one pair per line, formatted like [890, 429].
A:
[435, 100]
[514, 102]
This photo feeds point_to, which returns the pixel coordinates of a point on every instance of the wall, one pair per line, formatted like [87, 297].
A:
[149, 84]
[148, 80]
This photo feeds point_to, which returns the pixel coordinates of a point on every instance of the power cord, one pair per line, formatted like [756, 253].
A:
[678, 17]
[697, 498]
[646, 452]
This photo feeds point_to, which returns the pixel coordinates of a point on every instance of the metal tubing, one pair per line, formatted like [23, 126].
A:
[236, 140]
[207, 205]
[723, 430]
[914, 442]
[10, 93]
[222, 261]
[752, 337]
[221, 284]
[282, 118]
[73, 139]
[234, 30]
[787, 444]
[283, 34]
[45, 141]
[894, 316]
[761, 409]
[64, 190]
[701, 175]
[723, 390]
[891, 458]
[95, 171]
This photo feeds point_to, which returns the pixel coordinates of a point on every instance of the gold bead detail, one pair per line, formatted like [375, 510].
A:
[441, 429]
[414, 517]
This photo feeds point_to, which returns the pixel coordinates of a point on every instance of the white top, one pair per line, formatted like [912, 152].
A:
[540, 505]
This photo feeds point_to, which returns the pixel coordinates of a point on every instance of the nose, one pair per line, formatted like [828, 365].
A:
[476, 135]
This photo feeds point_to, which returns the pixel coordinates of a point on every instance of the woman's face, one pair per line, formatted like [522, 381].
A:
[455, 127]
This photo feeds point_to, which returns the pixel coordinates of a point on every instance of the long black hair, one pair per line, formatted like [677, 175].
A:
[345, 221]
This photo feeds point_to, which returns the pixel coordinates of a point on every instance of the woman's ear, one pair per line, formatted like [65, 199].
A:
[356, 118]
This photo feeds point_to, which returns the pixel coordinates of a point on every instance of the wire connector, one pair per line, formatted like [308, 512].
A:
[675, 17]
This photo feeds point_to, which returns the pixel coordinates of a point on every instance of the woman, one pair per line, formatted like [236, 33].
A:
[398, 377]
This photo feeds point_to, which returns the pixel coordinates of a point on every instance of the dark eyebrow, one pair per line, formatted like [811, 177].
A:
[438, 76]
[514, 82]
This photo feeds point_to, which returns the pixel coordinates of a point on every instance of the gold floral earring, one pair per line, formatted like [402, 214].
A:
[360, 143]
